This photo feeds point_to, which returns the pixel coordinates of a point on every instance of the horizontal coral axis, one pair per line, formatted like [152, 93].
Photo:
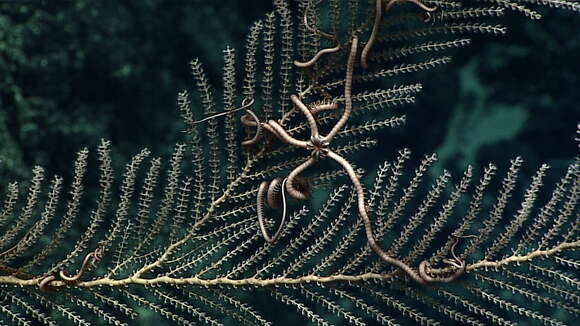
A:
[206, 282]
[516, 259]
[11, 280]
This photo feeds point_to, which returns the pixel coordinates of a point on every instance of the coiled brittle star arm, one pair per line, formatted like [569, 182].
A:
[290, 185]
[45, 282]
[272, 189]
[246, 104]
[95, 255]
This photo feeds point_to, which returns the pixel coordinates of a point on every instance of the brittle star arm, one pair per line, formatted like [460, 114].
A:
[285, 137]
[455, 263]
[252, 120]
[256, 123]
[95, 255]
[312, 29]
[292, 191]
[322, 52]
[416, 2]
[246, 104]
[377, 23]
[260, 209]
[347, 92]
[367, 222]
[323, 107]
[424, 265]
[317, 56]
[373, 37]
[309, 116]
[45, 282]
[428, 10]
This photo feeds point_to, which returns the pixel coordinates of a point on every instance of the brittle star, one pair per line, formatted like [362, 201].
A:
[319, 146]
[96, 256]
[455, 263]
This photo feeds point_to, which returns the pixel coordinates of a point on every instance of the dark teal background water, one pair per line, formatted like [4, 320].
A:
[72, 72]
